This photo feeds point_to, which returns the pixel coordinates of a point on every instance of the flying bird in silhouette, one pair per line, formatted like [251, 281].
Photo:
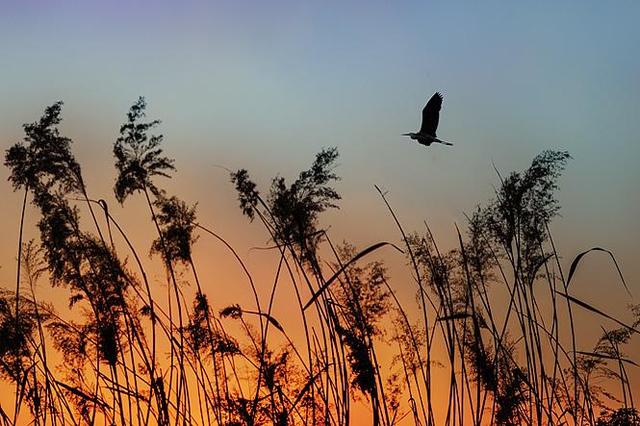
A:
[430, 116]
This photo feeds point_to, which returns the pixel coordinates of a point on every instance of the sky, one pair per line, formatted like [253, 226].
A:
[266, 85]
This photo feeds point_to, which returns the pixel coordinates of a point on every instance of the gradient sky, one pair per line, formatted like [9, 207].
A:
[265, 85]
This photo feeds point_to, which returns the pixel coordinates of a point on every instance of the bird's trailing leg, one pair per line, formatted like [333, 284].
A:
[442, 142]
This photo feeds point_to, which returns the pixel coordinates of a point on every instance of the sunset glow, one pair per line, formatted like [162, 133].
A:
[306, 263]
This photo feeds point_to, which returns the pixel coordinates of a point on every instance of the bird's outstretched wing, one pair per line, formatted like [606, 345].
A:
[431, 114]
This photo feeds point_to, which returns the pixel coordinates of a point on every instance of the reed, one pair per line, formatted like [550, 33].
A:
[130, 355]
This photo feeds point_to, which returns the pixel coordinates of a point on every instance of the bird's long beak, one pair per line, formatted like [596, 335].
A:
[406, 134]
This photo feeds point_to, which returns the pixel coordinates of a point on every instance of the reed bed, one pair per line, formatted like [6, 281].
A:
[129, 356]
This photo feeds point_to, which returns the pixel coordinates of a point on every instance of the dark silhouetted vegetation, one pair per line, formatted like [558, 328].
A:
[130, 353]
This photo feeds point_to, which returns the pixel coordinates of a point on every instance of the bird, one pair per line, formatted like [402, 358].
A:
[430, 116]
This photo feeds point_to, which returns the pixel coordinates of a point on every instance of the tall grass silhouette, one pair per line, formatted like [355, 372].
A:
[129, 355]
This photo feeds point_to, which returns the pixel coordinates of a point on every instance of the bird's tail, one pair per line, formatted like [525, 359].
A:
[443, 142]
